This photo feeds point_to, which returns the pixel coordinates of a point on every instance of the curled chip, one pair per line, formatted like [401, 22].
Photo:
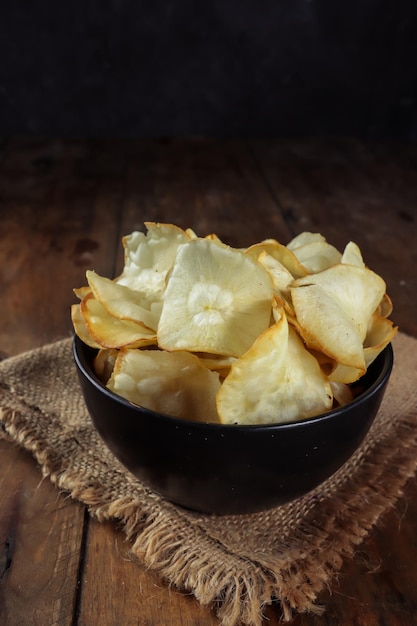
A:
[313, 251]
[80, 327]
[352, 255]
[112, 332]
[333, 309]
[281, 253]
[148, 258]
[125, 303]
[171, 383]
[281, 277]
[104, 363]
[277, 380]
[380, 333]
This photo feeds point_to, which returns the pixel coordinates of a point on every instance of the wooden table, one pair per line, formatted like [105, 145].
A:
[64, 206]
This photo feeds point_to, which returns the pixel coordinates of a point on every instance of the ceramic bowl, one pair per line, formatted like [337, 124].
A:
[230, 469]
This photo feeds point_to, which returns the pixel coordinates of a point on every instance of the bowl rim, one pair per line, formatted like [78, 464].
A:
[88, 373]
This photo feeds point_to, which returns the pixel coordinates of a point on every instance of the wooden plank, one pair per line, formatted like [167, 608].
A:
[379, 585]
[125, 592]
[349, 191]
[40, 539]
[59, 216]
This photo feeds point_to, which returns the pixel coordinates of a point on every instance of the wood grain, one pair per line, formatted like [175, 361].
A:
[41, 538]
[58, 218]
[137, 591]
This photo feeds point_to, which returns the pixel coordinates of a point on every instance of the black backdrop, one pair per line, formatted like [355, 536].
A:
[271, 68]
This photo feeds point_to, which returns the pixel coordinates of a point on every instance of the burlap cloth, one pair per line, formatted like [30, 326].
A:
[237, 564]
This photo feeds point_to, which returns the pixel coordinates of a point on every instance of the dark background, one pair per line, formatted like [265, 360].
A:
[273, 68]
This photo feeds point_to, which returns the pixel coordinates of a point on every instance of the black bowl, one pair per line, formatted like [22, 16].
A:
[230, 469]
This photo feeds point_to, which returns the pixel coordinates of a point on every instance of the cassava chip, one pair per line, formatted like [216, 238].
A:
[281, 253]
[346, 374]
[173, 383]
[305, 238]
[281, 277]
[110, 332]
[80, 327]
[342, 393]
[385, 306]
[313, 251]
[148, 258]
[333, 309]
[217, 300]
[217, 363]
[104, 363]
[276, 381]
[352, 255]
[317, 256]
[325, 326]
[380, 333]
[81, 292]
[125, 303]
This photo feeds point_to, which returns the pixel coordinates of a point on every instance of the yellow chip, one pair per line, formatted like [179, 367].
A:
[173, 383]
[80, 327]
[149, 257]
[352, 255]
[280, 276]
[380, 333]
[217, 300]
[110, 332]
[342, 393]
[104, 363]
[125, 303]
[305, 238]
[326, 327]
[217, 363]
[313, 251]
[318, 256]
[81, 292]
[216, 239]
[346, 374]
[385, 307]
[277, 380]
[333, 310]
[281, 253]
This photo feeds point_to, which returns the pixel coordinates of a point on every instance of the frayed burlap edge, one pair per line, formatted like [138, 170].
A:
[175, 544]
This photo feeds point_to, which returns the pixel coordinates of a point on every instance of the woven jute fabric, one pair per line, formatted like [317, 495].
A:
[236, 564]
